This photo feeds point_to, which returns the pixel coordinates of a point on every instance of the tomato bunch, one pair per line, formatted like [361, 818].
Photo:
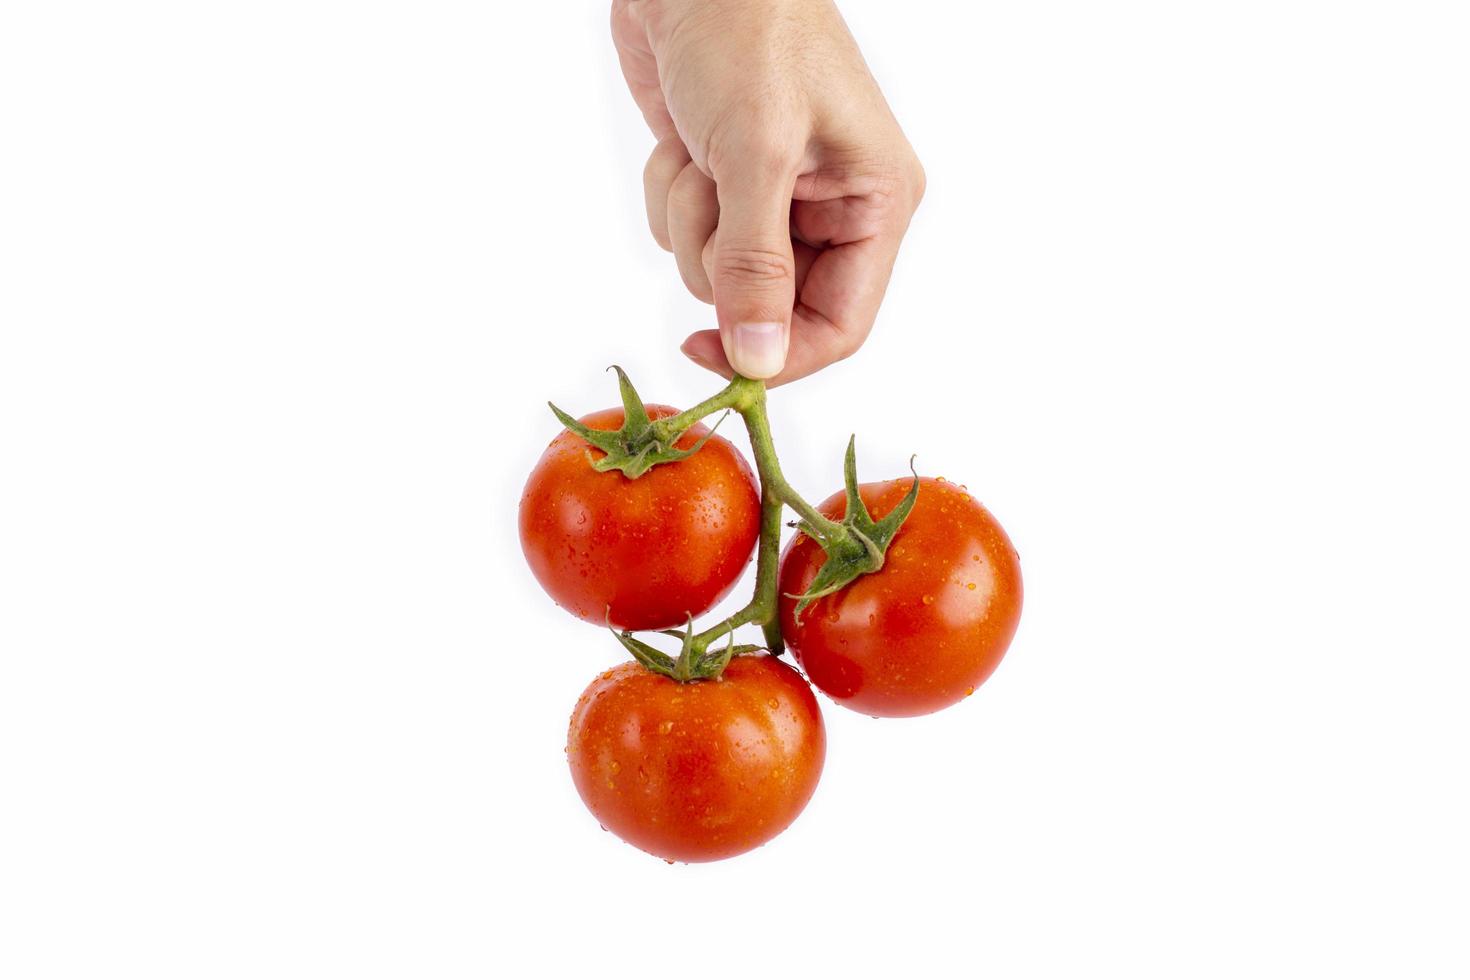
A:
[896, 598]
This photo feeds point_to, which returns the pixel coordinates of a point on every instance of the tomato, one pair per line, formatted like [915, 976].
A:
[926, 629]
[642, 554]
[699, 771]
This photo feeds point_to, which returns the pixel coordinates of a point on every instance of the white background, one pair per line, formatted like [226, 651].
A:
[284, 287]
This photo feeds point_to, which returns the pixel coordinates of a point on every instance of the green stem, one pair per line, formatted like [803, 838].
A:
[761, 609]
[748, 397]
[669, 429]
[759, 427]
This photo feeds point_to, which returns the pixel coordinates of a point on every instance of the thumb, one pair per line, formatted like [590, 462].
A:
[753, 273]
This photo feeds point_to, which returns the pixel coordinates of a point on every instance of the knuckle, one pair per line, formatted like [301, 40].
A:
[918, 180]
[665, 162]
[653, 167]
[891, 177]
[755, 140]
[690, 190]
[754, 265]
[772, 157]
[902, 182]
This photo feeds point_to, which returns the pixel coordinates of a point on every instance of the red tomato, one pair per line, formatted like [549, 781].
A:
[927, 628]
[643, 554]
[699, 771]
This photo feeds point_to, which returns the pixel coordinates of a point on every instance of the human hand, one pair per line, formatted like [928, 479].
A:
[781, 181]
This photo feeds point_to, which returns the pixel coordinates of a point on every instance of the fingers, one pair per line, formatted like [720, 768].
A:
[693, 213]
[795, 287]
[810, 351]
[753, 270]
[839, 302]
[664, 163]
[705, 348]
[840, 289]
[815, 343]
[683, 210]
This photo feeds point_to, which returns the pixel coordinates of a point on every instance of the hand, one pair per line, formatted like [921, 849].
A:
[781, 181]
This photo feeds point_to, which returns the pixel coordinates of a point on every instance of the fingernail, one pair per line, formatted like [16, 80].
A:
[757, 350]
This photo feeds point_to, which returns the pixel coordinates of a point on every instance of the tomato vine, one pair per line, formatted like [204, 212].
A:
[642, 517]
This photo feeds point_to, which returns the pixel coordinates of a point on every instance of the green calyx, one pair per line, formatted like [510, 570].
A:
[857, 545]
[695, 662]
[639, 445]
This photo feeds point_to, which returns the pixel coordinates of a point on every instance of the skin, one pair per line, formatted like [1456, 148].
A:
[781, 180]
[925, 630]
[639, 554]
[700, 771]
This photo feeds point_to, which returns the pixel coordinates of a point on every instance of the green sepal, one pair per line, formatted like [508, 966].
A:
[693, 663]
[863, 543]
[635, 448]
[650, 657]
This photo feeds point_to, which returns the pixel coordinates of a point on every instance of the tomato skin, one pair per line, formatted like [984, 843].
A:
[700, 771]
[642, 554]
[927, 628]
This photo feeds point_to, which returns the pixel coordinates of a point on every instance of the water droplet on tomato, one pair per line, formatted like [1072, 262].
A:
[665, 727]
[928, 600]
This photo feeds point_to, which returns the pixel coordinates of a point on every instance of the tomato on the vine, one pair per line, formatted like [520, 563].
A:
[926, 629]
[645, 553]
[698, 771]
